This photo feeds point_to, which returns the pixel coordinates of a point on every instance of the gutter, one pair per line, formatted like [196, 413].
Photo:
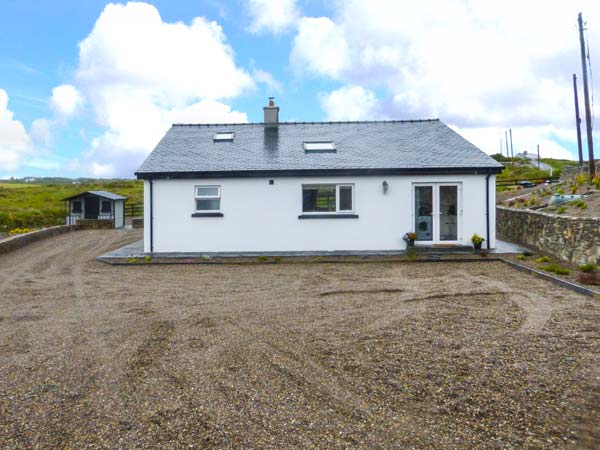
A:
[151, 220]
[487, 208]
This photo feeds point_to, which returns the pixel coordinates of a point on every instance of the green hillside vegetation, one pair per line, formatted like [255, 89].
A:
[29, 205]
[523, 170]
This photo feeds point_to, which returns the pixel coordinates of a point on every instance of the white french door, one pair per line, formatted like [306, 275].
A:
[437, 212]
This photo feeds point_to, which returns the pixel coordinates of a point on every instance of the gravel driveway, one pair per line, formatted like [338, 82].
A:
[382, 355]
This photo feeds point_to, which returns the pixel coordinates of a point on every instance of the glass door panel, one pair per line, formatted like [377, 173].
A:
[448, 215]
[423, 213]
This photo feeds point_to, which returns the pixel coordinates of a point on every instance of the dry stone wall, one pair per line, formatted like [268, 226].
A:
[574, 239]
[21, 240]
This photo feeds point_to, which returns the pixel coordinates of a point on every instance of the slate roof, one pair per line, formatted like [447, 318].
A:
[104, 194]
[369, 147]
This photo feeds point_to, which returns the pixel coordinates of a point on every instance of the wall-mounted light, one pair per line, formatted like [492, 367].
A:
[385, 187]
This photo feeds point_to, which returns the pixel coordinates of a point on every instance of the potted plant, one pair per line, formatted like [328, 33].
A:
[409, 238]
[477, 241]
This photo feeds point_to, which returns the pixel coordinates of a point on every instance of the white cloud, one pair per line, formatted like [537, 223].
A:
[474, 64]
[140, 74]
[41, 132]
[350, 103]
[273, 16]
[320, 48]
[15, 143]
[66, 100]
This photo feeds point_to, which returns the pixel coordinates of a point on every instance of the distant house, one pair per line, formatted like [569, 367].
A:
[96, 205]
[315, 186]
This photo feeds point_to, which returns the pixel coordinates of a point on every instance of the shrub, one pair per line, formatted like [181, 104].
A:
[581, 178]
[596, 181]
[587, 267]
[573, 189]
[561, 210]
[560, 191]
[521, 257]
[147, 258]
[543, 259]
[262, 259]
[131, 260]
[19, 231]
[554, 268]
[277, 259]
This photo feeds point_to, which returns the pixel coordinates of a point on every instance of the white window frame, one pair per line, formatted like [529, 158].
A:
[207, 197]
[337, 199]
[224, 136]
[319, 147]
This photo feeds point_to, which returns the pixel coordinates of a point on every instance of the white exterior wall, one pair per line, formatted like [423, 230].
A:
[262, 217]
[119, 213]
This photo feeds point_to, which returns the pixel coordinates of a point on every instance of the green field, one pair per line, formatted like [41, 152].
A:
[30, 205]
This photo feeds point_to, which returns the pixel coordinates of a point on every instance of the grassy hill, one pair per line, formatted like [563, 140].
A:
[523, 170]
[36, 205]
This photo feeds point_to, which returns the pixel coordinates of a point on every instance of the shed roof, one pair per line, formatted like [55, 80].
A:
[104, 194]
[361, 147]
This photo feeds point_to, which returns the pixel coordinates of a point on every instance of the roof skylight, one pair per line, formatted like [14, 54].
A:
[320, 147]
[223, 136]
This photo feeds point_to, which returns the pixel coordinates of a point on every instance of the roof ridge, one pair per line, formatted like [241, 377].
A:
[308, 123]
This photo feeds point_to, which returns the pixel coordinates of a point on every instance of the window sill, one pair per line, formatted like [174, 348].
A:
[328, 216]
[208, 214]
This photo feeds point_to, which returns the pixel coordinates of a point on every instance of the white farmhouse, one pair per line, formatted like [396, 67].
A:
[315, 187]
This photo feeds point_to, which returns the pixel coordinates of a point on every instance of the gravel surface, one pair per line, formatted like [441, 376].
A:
[387, 355]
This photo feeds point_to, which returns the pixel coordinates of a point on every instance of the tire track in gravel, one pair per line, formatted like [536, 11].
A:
[314, 380]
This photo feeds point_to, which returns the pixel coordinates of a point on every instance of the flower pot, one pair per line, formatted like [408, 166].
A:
[477, 246]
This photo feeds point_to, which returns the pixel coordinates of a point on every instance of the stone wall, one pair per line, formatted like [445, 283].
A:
[574, 239]
[137, 222]
[93, 224]
[21, 240]
[569, 174]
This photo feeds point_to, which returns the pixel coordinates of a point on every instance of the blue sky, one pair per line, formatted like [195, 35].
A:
[88, 87]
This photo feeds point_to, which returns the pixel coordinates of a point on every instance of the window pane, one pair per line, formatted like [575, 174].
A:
[207, 191]
[77, 206]
[318, 198]
[345, 198]
[423, 210]
[105, 207]
[213, 204]
[223, 136]
[319, 147]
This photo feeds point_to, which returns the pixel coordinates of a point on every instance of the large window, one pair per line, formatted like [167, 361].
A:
[208, 198]
[328, 198]
[76, 206]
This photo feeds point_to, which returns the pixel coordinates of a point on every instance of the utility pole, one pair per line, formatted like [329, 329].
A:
[538, 156]
[512, 155]
[578, 121]
[586, 97]
[506, 140]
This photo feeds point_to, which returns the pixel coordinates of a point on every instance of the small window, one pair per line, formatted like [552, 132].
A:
[223, 136]
[328, 198]
[208, 198]
[320, 147]
[76, 206]
[105, 207]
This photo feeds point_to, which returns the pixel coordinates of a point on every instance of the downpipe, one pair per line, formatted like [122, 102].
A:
[487, 208]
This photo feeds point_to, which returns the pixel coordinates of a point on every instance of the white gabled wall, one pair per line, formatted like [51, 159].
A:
[258, 216]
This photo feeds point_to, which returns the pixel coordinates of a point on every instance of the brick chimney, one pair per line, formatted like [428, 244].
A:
[271, 114]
